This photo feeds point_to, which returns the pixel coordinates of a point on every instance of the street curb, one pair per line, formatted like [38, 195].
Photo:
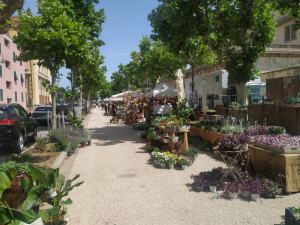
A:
[87, 120]
[59, 160]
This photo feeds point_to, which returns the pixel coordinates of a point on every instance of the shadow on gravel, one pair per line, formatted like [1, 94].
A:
[112, 134]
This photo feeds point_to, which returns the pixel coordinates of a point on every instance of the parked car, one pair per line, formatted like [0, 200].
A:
[40, 113]
[16, 126]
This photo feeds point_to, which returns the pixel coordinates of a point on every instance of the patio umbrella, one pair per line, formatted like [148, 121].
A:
[204, 83]
[179, 84]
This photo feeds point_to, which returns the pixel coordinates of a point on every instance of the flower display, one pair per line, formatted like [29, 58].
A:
[230, 142]
[279, 141]
[252, 130]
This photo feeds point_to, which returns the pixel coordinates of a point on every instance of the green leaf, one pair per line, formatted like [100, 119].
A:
[5, 181]
[26, 217]
[37, 174]
[53, 211]
[44, 215]
[67, 202]
[32, 198]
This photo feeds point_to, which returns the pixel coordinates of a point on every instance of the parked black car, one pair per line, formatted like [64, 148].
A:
[16, 127]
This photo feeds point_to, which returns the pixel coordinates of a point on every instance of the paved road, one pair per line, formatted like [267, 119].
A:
[5, 153]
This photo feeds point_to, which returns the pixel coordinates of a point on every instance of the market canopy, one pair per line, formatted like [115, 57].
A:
[162, 90]
[116, 99]
[120, 95]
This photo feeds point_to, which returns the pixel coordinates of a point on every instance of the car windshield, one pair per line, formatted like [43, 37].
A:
[43, 109]
[3, 114]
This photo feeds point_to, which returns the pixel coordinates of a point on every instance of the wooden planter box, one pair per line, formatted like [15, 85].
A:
[285, 150]
[177, 129]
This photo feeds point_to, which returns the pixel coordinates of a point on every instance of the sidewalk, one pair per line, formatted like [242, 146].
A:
[121, 186]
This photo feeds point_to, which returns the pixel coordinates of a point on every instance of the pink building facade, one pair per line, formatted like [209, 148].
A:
[12, 73]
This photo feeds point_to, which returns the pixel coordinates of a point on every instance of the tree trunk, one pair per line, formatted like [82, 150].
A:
[53, 119]
[241, 92]
[193, 85]
[73, 79]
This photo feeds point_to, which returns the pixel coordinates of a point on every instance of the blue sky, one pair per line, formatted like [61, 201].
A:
[122, 31]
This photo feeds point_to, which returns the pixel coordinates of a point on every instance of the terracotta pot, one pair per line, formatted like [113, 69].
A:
[160, 124]
[198, 112]
[166, 124]
[83, 145]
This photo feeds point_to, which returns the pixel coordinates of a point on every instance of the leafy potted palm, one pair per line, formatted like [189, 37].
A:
[184, 162]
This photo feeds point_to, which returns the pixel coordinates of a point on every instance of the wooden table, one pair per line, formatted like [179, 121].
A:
[230, 164]
[183, 130]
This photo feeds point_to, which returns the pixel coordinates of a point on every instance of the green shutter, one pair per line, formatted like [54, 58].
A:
[22, 80]
[21, 63]
[15, 76]
[0, 70]
[22, 96]
[1, 94]
[14, 56]
[16, 96]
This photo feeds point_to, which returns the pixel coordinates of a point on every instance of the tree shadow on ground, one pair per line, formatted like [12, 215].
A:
[112, 134]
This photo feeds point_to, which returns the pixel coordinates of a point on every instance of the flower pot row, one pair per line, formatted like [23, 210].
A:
[171, 166]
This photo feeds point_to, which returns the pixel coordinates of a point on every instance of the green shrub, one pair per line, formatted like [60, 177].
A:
[191, 152]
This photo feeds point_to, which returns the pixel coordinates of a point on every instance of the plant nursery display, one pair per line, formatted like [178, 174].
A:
[236, 180]
[280, 141]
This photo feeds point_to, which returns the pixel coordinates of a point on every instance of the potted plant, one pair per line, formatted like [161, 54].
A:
[269, 100]
[280, 183]
[74, 142]
[171, 160]
[184, 162]
[234, 104]
[256, 100]
[162, 160]
[232, 188]
[69, 152]
[210, 112]
[245, 188]
[213, 185]
[256, 189]
[83, 140]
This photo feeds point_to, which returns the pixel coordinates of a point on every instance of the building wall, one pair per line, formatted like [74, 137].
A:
[35, 75]
[14, 92]
[282, 22]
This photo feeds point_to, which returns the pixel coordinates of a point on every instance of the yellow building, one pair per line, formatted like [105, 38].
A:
[34, 77]
[282, 56]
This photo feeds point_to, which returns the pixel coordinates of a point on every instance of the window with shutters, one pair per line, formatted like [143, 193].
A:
[21, 63]
[22, 97]
[15, 76]
[14, 56]
[16, 96]
[7, 64]
[8, 84]
[0, 70]
[6, 42]
[289, 33]
[1, 94]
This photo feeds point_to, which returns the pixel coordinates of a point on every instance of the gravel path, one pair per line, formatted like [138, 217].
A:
[122, 186]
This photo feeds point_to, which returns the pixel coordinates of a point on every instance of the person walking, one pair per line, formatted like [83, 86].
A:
[105, 105]
[102, 104]
[115, 112]
[140, 108]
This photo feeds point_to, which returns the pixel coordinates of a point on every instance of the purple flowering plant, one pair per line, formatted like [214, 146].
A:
[230, 142]
[279, 141]
[256, 187]
[232, 187]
